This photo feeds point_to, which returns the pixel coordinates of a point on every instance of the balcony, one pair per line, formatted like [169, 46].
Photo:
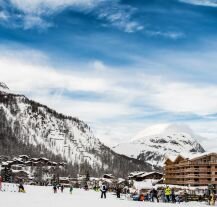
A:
[198, 176]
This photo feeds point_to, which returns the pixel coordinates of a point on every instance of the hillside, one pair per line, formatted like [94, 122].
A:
[28, 127]
[157, 142]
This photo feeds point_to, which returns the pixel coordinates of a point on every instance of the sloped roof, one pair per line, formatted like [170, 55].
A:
[149, 173]
[190, 157]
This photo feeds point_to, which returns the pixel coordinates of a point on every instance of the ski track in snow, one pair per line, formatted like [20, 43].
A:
[44, 197]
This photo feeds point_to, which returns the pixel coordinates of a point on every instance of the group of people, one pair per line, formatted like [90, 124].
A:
[57, 187]
[164, 195]
[61, 188]
[168, 195]
[118, 191]
[103, 189]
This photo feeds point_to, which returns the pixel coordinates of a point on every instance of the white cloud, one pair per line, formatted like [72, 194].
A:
[211, 3]
[30, 21]
[3, 16]
[181, 97]
[43, 6]
[169, 34]
[33, 13]
[119, 16]
[112, 97]
[25, 77]
[208, 132]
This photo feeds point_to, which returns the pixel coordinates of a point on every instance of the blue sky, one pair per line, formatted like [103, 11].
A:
[118, 65]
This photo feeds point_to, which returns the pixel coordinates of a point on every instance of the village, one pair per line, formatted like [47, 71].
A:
[193, 179]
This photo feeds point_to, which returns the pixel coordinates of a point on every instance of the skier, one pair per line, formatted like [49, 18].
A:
[168, 193]
[173, 196]
[55, 189]
[21, 188]
[71, 189]
[162, 196]
[86, 187]
[154, 194]
[0, 183]
[62, 188]
[118, 192]
[103, 190]
[212, 199]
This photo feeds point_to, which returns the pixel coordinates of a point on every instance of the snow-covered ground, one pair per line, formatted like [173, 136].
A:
[44, 197]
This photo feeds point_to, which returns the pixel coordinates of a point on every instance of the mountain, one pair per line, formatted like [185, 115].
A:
[28, 127]
[4, 87]
[157, 142]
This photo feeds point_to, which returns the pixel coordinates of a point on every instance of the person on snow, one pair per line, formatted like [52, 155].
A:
[86, 187]
[1, 183]
[141, 197]
[55, 189]
[212, 199]
[162, 196]
[118, 192]
[168, 193]
[21, 188]
[71, 189]
[173, 196]
[154, 195]
[103, 190]
[62, 188]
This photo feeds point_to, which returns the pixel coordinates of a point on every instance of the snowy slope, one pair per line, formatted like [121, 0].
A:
[157, 142]
[3, 87]
[31, 123]
[36, 196]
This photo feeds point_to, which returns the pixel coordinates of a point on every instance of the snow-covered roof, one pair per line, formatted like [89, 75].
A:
[43, 158]
[19, 171]
[24, 156]
[190, 157]
[149, 173]
[108, 175]
[64, 178]
[142, 174]
[133, 174]
[196, 156]
[5, 163]
[120, 180]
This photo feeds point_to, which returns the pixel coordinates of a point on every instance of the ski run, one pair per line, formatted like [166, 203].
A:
[37, 196]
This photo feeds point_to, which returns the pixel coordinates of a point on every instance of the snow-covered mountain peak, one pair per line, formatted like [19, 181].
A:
[157, 142]
[163, 129]
[28, 127]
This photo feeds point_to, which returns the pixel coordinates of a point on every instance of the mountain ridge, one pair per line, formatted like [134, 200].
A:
[25, 122]
[157, 142]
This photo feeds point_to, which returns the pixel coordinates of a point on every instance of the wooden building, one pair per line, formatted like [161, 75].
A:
[146, 176]
[194, 171]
